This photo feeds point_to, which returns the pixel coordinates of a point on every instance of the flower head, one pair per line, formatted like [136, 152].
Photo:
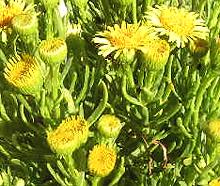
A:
[124, 39]
[53, 51]
[109, 126]
[24, 73]
[101, 160]
[8, 12]
[155, 53]
[25, 24]
[213, 129]
[179, 25]
[69, 135]
[215, 182]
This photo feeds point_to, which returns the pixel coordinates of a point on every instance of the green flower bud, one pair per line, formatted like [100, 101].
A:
[126, 56]
[69, 135]
[25, 24]
[155, 54]
[53, 51]
[199, 47]
[24, 73]
[109, 126]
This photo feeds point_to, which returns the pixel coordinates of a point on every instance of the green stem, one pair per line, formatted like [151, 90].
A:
[119, 173]
[101, 107]
[85, 86]
[54, 71]
[78, 178]
[58, 23]
[106, 8]
[55, 175]
[144, 5]
[55, 81]
[149, 80]
[134, 11]
[49, 23]
[95, 181]
[3, 113]
[130, 76]
[126, 95]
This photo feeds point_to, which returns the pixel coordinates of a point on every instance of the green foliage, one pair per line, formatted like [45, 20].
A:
[164, 112]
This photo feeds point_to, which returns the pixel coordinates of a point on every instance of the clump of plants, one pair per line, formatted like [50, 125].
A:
[109, 92]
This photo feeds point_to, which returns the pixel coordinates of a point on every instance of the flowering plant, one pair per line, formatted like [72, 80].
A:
[109, 92]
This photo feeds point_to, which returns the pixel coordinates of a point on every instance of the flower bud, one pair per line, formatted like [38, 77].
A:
[199, 47]
[53, 51]
[24, 73]
[69, 135]
[126, 56]
[155, 53]
[25, 24]
[101, 160]
[109, 126]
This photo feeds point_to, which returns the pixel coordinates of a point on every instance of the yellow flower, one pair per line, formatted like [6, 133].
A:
[101, 160]
[53, 51]
[8, 12]
[109, 126]
[215, 182]
[180, 25]
[155, 53]
[69, 135]
[213, 129]
[124, 39]
[24, 73]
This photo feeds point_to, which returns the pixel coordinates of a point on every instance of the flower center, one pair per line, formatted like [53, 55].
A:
[7, 14]
[129, 37]
[177, 21]
[21, 70]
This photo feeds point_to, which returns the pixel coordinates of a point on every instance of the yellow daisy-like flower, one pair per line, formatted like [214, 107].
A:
[124, 39]
[215, 182]
[9, 11]
[24, 73]
[180, 25]
[69, 135]
[101, 160]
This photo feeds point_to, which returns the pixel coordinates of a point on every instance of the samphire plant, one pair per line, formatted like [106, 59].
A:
[109, 92]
